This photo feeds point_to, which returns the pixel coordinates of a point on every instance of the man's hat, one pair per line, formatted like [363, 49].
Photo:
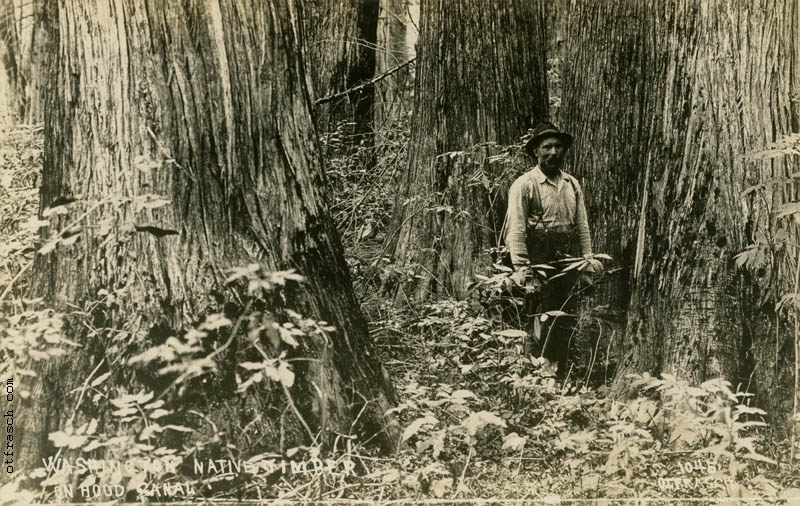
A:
[543, 131]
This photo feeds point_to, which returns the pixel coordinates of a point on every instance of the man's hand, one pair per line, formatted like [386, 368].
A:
[593, 266]
[519, 277]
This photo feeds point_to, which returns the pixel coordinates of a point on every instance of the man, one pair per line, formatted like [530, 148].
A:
[546, 221]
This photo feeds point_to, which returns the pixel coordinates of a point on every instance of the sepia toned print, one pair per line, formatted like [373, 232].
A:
[400, 251]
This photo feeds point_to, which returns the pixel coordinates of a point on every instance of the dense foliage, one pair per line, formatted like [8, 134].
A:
[480, 417]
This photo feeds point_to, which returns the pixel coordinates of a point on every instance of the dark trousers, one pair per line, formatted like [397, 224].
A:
[553, 335]
[559, 293]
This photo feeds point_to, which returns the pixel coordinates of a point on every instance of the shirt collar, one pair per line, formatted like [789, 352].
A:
[541, 178]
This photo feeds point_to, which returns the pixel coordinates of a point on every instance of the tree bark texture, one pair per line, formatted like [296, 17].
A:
[339, 39]
[40, 47]
[26, 39]
[666, 112]
[204, 103]
[480, 79]
[10, 59]
[398, 22]
[556, 20]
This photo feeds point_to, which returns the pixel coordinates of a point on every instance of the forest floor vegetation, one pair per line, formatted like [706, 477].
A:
[480, 417]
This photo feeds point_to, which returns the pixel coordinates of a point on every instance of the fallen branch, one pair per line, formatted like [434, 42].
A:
[341, 94]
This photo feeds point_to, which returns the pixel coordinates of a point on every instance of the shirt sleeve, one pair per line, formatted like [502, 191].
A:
[516, 224]
[582, 223]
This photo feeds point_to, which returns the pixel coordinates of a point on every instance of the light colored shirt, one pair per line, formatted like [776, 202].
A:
[536, 202]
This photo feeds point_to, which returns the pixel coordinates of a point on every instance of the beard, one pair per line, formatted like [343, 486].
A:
[551, 164]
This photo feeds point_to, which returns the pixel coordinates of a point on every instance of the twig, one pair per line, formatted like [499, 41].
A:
[466, 464]
[83, 392]
[58, 236]
[297, 413]
[341, 94]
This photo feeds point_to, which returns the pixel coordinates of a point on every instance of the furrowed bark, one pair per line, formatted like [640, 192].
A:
[480, 79]
[667, 112]
[340, 39]
[205, 104]
[397, 35]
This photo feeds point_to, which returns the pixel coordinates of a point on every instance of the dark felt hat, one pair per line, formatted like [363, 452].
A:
[543, 131]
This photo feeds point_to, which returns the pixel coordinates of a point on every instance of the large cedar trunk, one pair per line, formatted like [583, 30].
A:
[12, 89]
[340, 38]
[206, 104]
[397, 36]
[608, 102]
[480, 79]
[26, 39]
[666, 111]
[41, 45]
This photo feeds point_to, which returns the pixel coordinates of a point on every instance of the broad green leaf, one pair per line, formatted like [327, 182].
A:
[148, 431]
[416, 425]
[54, 211]
[287, 336]
[100, 379]
[252, 366]
[476, 421]
[179, 428]
[462, 394]
[59, 438]
[285, 373]
[48, 247]
[93, 445]
[758, 457]
[242, 272]
[440, 487]
[157, 413]
[514, 441]
[215, 321]
[742, 409]
[511, 333]
[575, 265]
[155, 404]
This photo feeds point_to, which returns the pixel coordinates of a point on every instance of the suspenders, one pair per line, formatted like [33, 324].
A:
[548, 244]
[535, 207]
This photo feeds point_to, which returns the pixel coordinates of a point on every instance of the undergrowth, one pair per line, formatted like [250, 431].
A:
[481, 416]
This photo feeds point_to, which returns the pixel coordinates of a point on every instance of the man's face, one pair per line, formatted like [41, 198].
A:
[550, 155]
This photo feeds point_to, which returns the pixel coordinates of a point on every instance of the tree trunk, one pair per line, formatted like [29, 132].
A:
[13, 86]
[608, 102]
[397, 35]
[41, 46]
[340, 38]
[480, 79]
[205, 104]
[666, 111]
[25, 41]
[556, 20]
